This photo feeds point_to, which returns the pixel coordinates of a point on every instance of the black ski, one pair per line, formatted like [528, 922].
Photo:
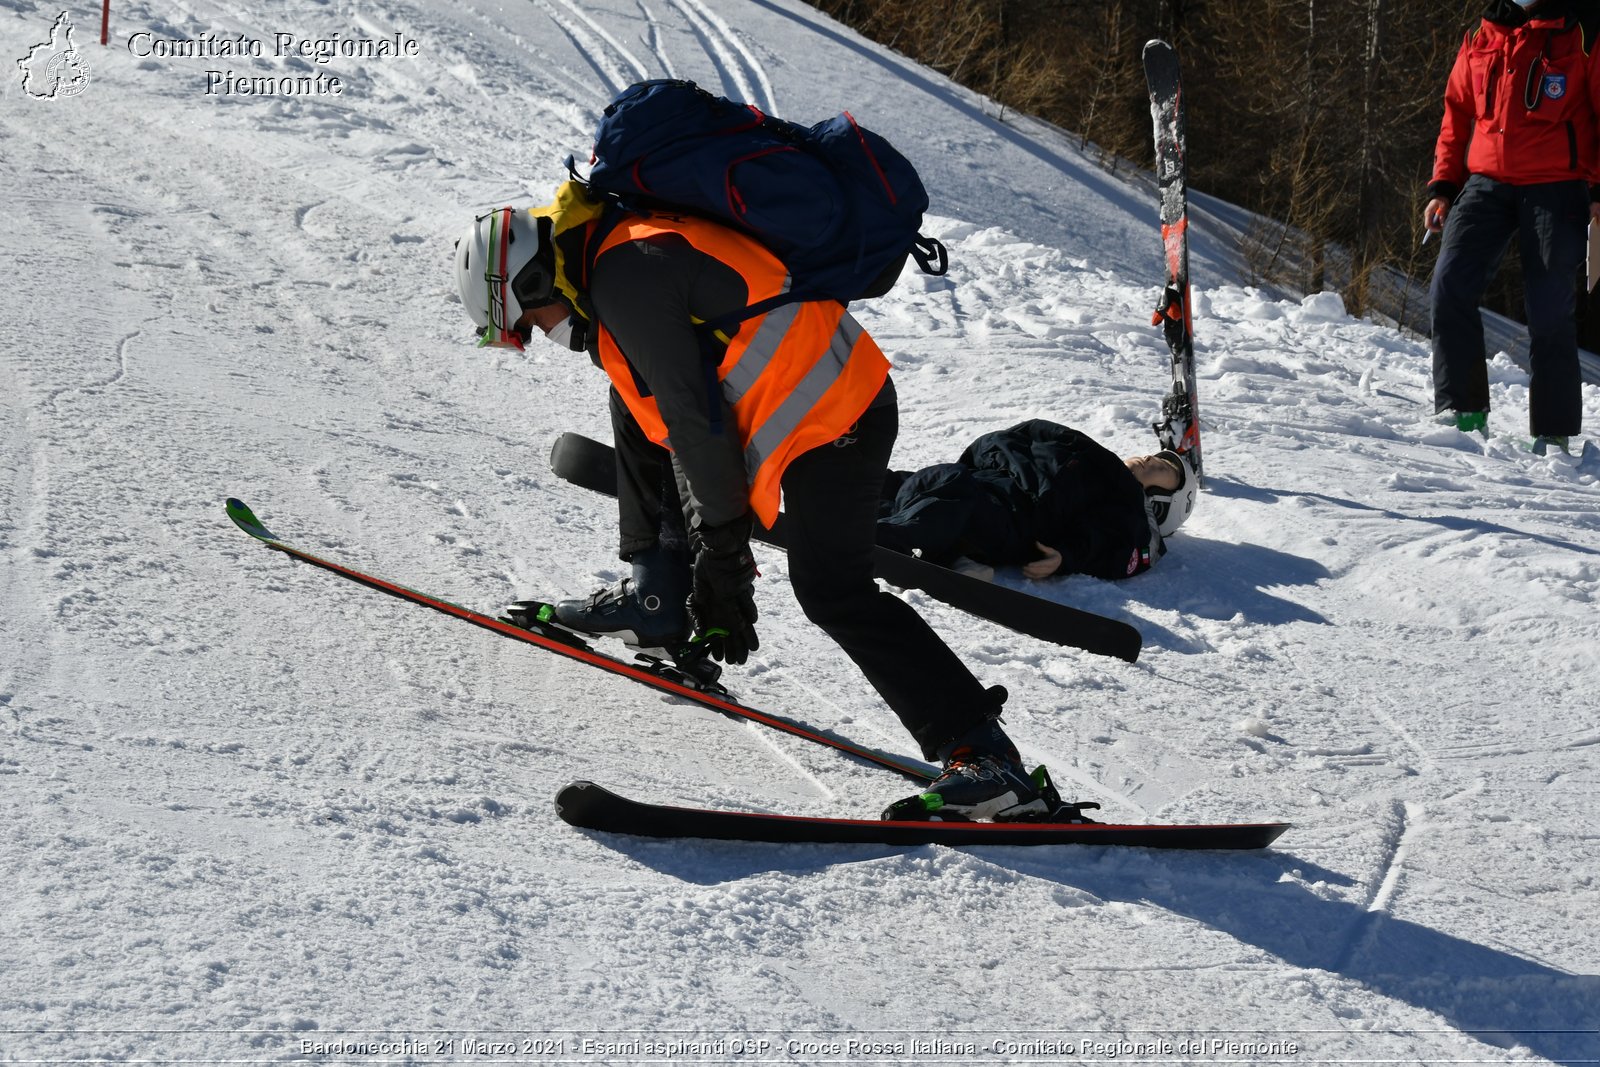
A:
[1179, 429]
[592, 465]
[554, 639]
[592, 807]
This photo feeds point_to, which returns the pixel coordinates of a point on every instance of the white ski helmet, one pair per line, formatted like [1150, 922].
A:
[504, 266]
[1171, 507]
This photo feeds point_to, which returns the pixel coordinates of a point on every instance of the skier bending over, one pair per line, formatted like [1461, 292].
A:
[1044, 496]
[798, 401]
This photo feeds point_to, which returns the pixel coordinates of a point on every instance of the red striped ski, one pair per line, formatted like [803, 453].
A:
[654, 676]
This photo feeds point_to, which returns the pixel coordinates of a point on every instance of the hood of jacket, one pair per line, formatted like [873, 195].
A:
[572, 215]
[1510, 15]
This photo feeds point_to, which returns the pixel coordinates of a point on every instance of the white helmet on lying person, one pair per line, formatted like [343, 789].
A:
[1172, 507]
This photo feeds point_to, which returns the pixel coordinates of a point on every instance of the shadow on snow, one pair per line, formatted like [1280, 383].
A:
[1494, 996]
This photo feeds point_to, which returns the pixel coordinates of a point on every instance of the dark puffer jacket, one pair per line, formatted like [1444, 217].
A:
[1039, 481]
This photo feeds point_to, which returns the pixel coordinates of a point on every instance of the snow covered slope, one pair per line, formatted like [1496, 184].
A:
[248, 811]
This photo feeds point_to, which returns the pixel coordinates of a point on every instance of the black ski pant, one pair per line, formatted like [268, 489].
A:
[831, 498]
[648, 508]
[1549, 221]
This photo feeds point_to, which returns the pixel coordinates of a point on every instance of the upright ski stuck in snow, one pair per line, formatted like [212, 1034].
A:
[592, 807]
[565, 643]
[1179, 428]
[591, 465]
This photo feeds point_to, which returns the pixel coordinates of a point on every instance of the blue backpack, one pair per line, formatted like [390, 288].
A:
[835, 201]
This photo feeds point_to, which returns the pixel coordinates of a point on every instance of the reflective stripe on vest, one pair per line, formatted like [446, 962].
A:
[796, 377]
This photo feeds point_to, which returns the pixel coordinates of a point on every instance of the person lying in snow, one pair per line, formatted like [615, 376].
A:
[1044, 496]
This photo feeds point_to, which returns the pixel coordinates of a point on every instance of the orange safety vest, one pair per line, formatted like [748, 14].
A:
[796, 377]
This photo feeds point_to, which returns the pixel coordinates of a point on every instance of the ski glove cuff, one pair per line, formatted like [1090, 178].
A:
[722, 605]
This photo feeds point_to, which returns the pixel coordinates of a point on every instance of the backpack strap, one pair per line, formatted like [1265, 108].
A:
[711, 327]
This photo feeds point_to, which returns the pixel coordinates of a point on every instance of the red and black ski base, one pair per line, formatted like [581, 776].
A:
[592, 807]
[654, 674]
[591, 465]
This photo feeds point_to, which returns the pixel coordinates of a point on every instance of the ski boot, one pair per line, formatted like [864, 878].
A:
[1545, 442]
[686, 663]
[647, 624]
[648, 612]
[983, 779]
[614, 610]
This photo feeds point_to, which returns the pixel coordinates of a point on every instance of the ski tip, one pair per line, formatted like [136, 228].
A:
[570, 794]
[240, 512]
[246, 519]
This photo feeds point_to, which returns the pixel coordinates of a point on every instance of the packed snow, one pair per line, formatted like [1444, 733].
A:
[250, 812]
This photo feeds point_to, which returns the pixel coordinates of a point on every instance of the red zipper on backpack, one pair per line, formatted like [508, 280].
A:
[878, 169]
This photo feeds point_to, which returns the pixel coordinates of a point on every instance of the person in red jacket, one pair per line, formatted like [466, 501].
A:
[1518, 154]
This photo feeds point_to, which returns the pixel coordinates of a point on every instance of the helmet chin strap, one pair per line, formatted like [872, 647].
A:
[579, 328]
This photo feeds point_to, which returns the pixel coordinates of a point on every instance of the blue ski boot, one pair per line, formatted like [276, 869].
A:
[647, 611]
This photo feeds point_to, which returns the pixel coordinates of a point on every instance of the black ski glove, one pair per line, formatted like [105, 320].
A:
[722, 606]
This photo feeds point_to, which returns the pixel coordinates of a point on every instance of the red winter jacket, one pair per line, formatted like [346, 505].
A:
[1522, 103]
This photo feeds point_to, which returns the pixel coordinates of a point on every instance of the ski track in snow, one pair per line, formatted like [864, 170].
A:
[656, 40]
[744, 78]
[242, 795]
